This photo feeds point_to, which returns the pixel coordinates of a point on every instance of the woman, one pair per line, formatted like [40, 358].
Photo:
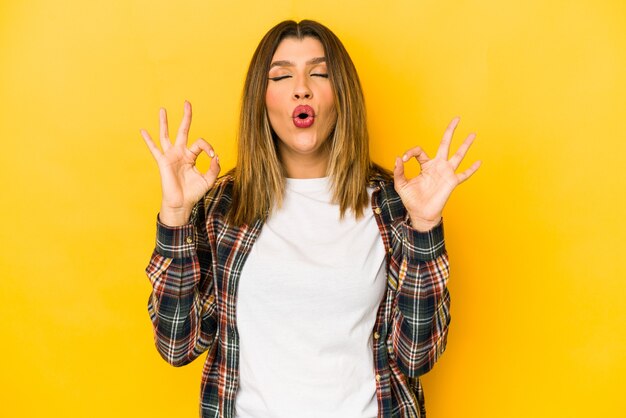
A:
[315, 280]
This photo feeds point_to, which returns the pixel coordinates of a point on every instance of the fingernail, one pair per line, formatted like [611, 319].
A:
[212, 154]
[217, 158]
[404, 158]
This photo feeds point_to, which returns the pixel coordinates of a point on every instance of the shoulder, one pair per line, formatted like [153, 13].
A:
[379, 176]
[385, 193]
[218, 199]
[381, 179]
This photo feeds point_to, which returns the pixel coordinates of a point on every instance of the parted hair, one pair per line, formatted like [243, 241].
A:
[259, 176]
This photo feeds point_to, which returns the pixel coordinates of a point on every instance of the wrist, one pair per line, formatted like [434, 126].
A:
[423, 225]
[174, 216]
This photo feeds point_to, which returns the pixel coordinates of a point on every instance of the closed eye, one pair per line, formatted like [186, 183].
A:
[279, 77]
[288, 76]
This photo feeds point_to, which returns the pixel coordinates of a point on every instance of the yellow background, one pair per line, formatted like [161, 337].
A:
[535, 237]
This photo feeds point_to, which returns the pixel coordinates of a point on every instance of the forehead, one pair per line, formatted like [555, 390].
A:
[294, 50]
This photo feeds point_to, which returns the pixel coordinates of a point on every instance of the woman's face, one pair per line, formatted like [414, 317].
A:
[300, 105]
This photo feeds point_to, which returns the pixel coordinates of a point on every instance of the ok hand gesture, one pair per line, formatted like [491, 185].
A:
[182, 183]
[425, 195]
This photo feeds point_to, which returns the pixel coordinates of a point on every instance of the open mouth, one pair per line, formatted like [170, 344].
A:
[303, 116]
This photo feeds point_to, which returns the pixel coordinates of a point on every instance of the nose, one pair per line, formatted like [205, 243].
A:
[301, 89]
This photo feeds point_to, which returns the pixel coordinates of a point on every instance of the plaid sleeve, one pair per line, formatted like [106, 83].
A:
[182, 302]
[422, 309]
[177, 241]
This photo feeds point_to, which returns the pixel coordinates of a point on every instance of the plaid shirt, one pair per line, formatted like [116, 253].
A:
[194, 272]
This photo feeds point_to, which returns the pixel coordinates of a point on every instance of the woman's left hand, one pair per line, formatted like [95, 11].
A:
[425, 195]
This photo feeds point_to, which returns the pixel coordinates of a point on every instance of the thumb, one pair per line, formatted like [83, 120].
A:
[214, 170]
[399, 178]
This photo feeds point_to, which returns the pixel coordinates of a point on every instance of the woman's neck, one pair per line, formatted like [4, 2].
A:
[299, 166]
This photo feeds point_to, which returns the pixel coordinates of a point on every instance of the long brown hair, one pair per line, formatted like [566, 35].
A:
[259, 177]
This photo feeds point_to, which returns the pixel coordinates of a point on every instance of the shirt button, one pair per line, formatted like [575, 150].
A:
[390, 250]
[376, 335]
[378, 378]
[377, 211]
[189, 240]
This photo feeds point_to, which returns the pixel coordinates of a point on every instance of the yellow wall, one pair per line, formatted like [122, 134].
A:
[538, 288]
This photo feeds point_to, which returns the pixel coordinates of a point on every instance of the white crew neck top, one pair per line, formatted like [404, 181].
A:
[306, 306]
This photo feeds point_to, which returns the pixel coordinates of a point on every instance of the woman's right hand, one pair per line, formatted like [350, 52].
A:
[182, 183]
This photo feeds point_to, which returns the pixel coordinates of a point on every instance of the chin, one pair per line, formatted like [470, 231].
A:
[300, 142]
[302, 148]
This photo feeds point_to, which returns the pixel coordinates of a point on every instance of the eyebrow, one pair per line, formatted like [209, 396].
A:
[285, 63]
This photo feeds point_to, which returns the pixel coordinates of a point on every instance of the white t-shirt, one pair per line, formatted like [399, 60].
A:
[306, 306]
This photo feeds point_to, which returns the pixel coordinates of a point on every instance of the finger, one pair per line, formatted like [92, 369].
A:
[183, 130]
[201, 145]
[214, 170]
[399, 179]
[460, 153]
[419, 154]
[163, 130]
[444, 147]
[156, 153]
[467, 173]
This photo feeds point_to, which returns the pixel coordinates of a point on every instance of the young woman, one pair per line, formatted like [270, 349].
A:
[315, 280]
